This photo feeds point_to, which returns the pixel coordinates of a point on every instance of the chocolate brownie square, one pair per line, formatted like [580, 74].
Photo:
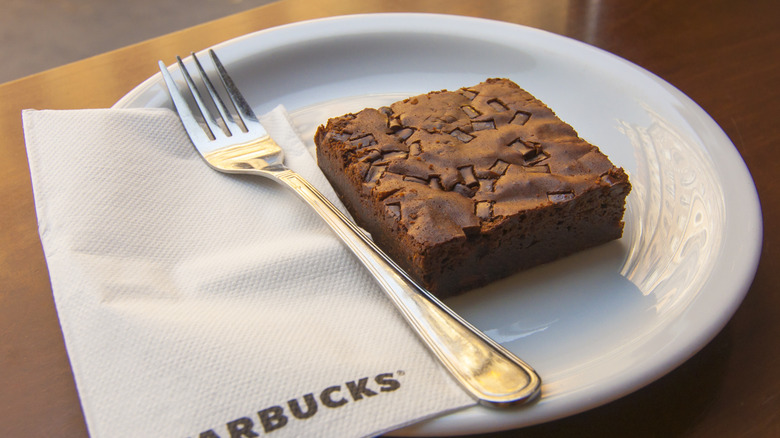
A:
[465, 187]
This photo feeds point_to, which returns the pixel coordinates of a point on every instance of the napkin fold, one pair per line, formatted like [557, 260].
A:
[199, 304]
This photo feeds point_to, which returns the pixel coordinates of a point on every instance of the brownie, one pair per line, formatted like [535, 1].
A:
[465, 187]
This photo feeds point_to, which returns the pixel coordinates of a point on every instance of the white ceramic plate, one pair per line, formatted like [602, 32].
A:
[597, 325]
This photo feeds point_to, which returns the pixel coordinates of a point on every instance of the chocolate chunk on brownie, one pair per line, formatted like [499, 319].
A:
[464, 187]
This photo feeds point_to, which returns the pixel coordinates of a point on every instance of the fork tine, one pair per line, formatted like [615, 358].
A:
[208, 116]
[244, 110]
[186, 115]
[224, 113]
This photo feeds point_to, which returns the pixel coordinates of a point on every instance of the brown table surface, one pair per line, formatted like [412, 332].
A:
[724, 54]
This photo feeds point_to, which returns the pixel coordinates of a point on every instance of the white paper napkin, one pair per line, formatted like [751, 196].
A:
[199, 304]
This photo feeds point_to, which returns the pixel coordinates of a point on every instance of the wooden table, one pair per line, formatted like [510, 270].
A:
[723, 54]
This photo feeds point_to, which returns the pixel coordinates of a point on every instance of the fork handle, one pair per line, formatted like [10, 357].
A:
[490, 373]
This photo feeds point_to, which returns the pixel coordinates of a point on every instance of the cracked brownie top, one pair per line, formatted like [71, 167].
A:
[449, 163]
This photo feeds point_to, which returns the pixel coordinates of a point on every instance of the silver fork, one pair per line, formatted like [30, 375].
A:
[490, 373]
